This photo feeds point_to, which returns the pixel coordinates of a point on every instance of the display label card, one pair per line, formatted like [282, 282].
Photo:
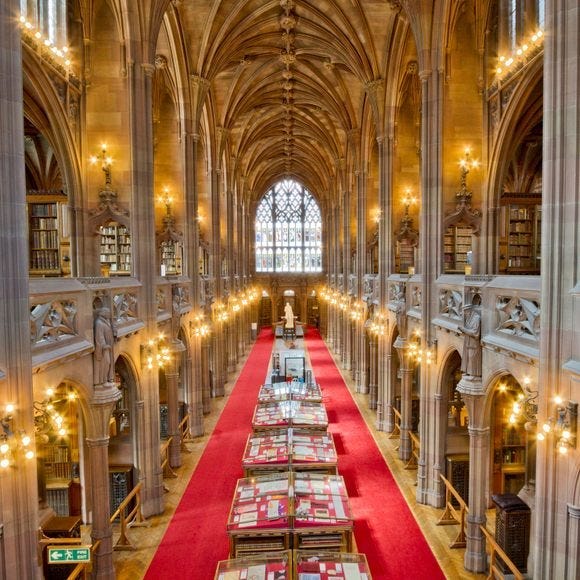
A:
[257, 572]
[351, 571]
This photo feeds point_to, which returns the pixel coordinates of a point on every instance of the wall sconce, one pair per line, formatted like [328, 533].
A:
[409, 200]
[43, 41]
[166, 199]
[377, 325]
[376, 215]
[155, 353]
[563, 426]
[419, 354]
[10, 442]
[106, 162]
[198, 326]
[46, 417]
[525, 405]
[523, 52]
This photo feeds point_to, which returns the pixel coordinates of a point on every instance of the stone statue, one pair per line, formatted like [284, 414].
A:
[104, 359]
[401, 313]
[471, 330]
[289, 316]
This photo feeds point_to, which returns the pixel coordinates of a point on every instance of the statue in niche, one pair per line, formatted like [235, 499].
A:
[471, 330]
[104, 359]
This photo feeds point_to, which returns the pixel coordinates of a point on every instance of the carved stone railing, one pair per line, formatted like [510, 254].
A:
[511, 310]
[61, 314]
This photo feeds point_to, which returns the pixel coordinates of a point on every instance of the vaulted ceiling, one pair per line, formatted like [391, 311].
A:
[289, 81]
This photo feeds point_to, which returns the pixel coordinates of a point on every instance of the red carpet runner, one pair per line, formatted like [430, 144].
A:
[196, 537]
[385, 529]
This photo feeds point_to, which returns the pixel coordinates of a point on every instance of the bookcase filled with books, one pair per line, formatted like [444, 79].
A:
[45, 232]
[520, 234]
[115, 249]
[457, 247]
[171, 258]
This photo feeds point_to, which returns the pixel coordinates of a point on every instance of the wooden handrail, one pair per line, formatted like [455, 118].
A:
[167, 471]
[127, 520]
[413, 462]
[184, 433]
[451, 516]
[86, 567]
[396, 432]
[494, 551]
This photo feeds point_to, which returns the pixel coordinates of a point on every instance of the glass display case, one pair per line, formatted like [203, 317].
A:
[288, 450]
[290, 510]
[330, 566]
[296, 389]
[290, 414]
[270, 566]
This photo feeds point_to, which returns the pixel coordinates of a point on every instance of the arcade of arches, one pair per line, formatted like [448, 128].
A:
[404, 173]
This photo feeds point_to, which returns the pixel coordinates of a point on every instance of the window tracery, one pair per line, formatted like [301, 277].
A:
[288, 230]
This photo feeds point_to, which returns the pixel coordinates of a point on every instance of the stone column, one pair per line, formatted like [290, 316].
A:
[139, 82]
[19, 504]
[439, 444]
[475, 558]
[406, 371]
[373, 394]
[101, 406]
[573, 547]
[205, 385]
[560, 295]
[384, 405]
[195, 382]
[172, 379]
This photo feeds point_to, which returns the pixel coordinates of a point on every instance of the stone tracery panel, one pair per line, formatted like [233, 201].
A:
[518, 317]
[52, 321]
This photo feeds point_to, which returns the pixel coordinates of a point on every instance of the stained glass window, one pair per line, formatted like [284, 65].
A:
[288, 230]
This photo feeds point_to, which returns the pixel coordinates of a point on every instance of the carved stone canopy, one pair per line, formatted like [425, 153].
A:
[108, 210]
[464, 212]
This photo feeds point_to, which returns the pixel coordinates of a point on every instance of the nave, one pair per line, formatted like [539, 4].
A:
[191, 534]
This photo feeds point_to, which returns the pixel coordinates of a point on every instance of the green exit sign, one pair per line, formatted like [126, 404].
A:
[69, 554]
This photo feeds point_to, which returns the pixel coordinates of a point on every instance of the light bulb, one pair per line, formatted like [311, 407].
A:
[540, 436]
[558, 400]
[62, 432]
[546, 427]
[563, 449]
[29, 454]
[26, 440]
[9, 408]
[566, 435]
[4, 463]
[4, 448]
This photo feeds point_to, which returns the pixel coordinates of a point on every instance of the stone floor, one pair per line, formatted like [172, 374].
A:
[131, 565]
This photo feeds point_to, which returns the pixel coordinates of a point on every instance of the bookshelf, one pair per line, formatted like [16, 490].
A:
[509, 450]
[457, 242]
[115, 249]
[171, 258]
[44, 231]
[522, 239]
[405, 256]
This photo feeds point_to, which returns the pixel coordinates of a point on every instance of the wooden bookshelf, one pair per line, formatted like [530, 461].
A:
[44, 232]
[115, 249]
[171, 258]
[457, 243]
